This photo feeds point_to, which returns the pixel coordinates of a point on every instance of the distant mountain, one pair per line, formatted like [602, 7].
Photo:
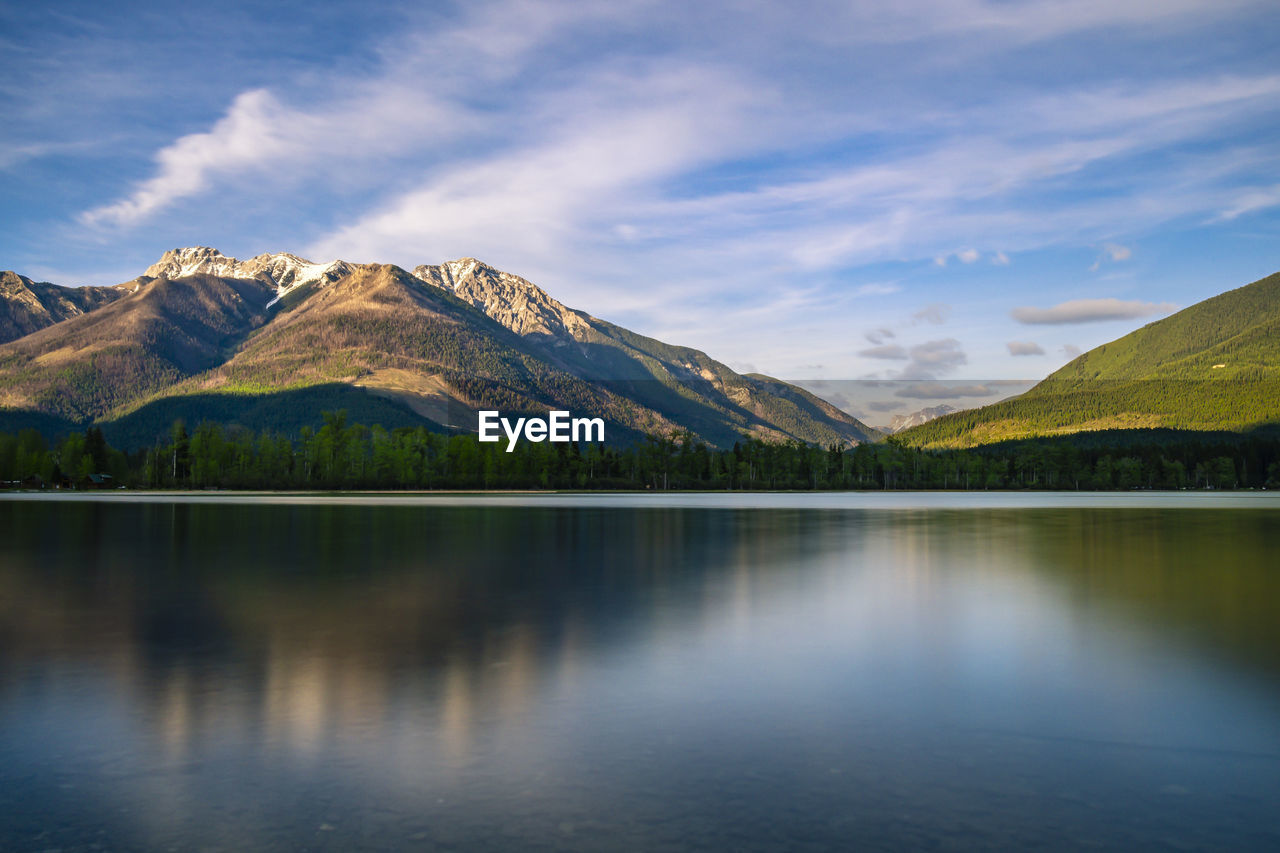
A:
[28, 306]
[922, 416]
[267, 341]
[1212, 366]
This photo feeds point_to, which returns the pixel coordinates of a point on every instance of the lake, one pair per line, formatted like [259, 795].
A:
[649, 672]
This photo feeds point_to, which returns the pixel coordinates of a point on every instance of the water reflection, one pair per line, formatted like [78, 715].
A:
[204, 674]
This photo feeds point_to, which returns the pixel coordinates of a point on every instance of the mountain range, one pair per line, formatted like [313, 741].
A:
[271, 341]
[1213, 366]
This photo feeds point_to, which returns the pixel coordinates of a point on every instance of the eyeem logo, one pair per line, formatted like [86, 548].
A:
[557, 426]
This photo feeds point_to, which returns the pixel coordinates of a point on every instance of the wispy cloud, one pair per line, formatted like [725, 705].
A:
[1117, 252]
[259, 134]
[1113, 252]
[1014, 24]
[878, 288]
[1250, 201]
[1089, 311]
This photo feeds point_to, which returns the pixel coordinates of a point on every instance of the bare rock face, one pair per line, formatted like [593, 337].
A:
[516, 303]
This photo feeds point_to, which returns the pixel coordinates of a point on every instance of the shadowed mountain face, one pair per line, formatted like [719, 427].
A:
[434, 345]
[94, 364]
[1213, 366]
[28, 306]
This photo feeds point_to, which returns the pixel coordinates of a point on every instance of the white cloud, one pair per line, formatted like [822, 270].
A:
[248, 135]
[1000, 259]
[1089, 311]
[1024, 348]
[1250, 201]
[533, 205]
[1013, 25]
[968, 256]
[260, 135]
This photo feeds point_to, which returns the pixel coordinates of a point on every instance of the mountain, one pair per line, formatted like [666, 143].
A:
[27, 306]
[270, 341]
[284, 271]
[921, 416]
[1212, 366]
[86, 367]
[678, 381]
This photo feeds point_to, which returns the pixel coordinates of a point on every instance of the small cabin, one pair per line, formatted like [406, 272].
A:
[97, 481]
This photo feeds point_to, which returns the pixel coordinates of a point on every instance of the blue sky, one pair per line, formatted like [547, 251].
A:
[822, 190]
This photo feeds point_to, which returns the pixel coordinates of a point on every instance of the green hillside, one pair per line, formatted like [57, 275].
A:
[1212, 366]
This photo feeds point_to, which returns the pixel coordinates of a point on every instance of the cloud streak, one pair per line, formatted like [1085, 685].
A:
[258, 134]
[1089, 311]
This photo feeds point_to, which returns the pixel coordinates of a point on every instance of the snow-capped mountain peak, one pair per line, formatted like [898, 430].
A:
[284, 270]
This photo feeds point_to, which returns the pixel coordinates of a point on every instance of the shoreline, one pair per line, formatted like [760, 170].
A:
[853, 500]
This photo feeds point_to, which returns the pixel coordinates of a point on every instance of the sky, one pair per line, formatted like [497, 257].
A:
[928, 191]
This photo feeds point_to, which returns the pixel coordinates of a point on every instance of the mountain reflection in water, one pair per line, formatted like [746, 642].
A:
[585, 677]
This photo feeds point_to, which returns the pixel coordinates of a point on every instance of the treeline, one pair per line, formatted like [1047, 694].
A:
[338, 455]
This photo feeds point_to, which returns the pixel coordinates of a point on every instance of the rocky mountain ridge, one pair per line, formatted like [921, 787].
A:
[205, 336]
[285, 271]
[27, 306]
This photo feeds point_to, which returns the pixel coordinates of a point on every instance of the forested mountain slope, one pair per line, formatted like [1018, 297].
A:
[1212, 366]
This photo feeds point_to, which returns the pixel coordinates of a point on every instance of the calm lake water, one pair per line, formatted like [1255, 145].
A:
[758, 672]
